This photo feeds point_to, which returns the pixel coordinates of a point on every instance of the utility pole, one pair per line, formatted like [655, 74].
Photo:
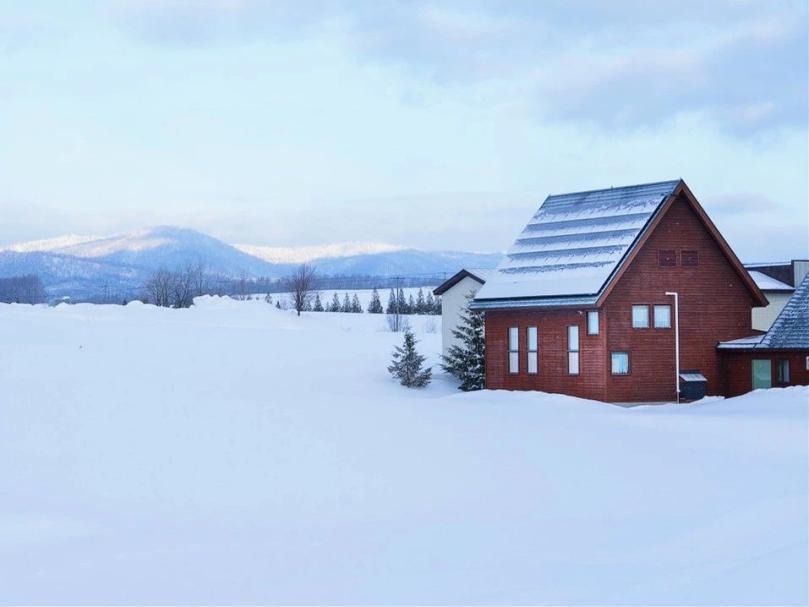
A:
[676, 341]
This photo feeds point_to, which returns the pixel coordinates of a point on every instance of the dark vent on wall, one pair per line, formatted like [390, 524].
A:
[689, 258]
[667, 258]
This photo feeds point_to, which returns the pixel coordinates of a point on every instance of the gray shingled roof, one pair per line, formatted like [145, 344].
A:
[574, 243]
[791, 328]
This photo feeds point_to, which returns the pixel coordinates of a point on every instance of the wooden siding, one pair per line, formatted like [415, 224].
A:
[738, 368]
[715, 305]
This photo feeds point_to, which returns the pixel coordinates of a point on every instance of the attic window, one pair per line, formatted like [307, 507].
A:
[689, 258]
[667, 258]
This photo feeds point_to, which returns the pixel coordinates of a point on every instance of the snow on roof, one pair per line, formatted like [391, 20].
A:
[742, 343]
[692, 376]
[791, 327]
[574, 242]
[768, 283]
[479, 274]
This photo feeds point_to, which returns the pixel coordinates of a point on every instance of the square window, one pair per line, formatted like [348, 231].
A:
[662, 317]
[640, 317]
[592, 322]
[620, 363]
[689, 258]
[667, 258]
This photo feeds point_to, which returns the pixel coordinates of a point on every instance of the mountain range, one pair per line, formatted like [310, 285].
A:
[84, 266]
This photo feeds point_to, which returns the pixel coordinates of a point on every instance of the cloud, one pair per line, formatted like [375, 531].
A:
[617, 65]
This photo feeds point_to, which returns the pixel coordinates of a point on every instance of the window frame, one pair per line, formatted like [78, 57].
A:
[782, 365]
[571, 351]
[514, 349]
[654, 316]
[595, 313]
[646, 306]
[529, 351]
[662, 258]
[612, 366]
[687, 254]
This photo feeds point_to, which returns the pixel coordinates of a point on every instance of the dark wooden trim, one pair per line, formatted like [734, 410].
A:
[454, 280]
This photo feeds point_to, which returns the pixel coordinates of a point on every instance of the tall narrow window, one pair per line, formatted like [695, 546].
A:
[533, 350]
[513, 350]
[640, 317]
[573, 350]
[592, 322]
[620, 363]
[783, 371]
[662, 317]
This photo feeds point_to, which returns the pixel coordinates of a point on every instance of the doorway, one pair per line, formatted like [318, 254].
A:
[762, 373]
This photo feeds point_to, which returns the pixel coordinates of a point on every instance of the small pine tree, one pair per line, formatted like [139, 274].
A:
[375, 307]
[392, 301]
[437, 306]
[402, 302]
[278, 304]
[407, 364]
[334, 306]
[346, 306]
[356, 306]
[429, 303]
[466, 361]
[411, 305]
[421, 304]
[318, 307]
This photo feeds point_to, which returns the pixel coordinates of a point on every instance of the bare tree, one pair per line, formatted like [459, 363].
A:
[159, 288]
[300, 286]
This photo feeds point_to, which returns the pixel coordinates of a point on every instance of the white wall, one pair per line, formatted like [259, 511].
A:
[764, 317]
[452, 302]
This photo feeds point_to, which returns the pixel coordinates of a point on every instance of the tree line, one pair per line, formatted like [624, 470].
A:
[24, 289]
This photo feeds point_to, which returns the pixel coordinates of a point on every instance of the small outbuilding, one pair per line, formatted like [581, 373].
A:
[454, 293]
[778, 358]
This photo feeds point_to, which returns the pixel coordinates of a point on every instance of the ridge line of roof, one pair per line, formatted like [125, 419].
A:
[620, 187]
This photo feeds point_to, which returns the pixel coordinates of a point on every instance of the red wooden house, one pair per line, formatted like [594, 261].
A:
[605, 291]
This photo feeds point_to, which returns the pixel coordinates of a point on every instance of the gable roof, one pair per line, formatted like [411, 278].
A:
[480, 275]
[789, 331]
[791, 327]
[576, 246]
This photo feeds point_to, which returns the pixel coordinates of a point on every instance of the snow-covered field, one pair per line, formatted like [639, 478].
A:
[234, 453]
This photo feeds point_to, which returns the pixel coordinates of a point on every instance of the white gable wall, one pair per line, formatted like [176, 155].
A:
[764, 317]
[453, 301]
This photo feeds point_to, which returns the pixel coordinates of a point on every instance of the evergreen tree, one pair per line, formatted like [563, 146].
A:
[278, 304]
[429, 303]
[391, 309]
[436, 306]
[375, 307]
[407, 364]
[466, 360]
[318, 307]
[346, 306]
[421, 305]
[411, 305]
[334, 306]
[356, 306]
[402, 302]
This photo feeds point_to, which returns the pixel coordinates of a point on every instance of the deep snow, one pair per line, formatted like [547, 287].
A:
[234, 453]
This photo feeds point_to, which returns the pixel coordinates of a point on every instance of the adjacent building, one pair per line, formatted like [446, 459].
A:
[455, 293]
[778, 358]
[615, 295]
[778, 282]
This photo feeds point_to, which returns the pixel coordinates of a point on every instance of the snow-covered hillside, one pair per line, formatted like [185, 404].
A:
[310, 253]
[234, 453]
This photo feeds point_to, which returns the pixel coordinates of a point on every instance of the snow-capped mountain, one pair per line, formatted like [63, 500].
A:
[78, 265]
[309, 253]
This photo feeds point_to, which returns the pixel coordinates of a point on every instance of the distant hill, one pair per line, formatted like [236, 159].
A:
[81, 266]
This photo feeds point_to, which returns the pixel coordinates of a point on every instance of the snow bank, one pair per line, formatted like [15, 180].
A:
[235, 453]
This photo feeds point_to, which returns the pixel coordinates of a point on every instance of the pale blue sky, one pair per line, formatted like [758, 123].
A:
[436, 125]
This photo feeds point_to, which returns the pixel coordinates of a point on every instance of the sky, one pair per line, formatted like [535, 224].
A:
[438, 125]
